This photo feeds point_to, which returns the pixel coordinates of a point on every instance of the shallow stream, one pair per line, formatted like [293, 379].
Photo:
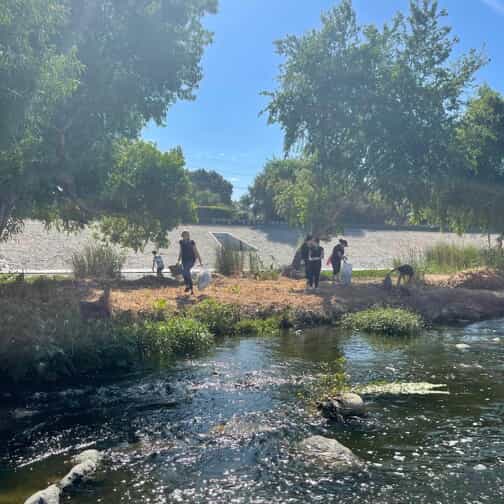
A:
[223, 428]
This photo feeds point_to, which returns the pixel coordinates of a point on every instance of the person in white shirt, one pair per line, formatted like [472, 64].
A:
[157, 263]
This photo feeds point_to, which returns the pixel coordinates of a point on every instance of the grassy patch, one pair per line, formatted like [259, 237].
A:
[390, 321]
[360, 274]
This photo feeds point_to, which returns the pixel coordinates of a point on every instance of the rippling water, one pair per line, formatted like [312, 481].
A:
[223, 428]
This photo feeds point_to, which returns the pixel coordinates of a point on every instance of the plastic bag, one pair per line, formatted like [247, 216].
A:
[204, 279]
[346, 273]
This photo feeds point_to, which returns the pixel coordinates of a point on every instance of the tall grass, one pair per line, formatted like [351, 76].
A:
[98, 261]
[229, 262]
[451, 258]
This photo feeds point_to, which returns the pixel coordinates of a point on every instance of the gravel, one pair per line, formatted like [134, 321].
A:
[38, 249]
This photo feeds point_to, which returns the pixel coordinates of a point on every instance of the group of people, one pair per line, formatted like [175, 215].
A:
[188, 255]
[312, 255]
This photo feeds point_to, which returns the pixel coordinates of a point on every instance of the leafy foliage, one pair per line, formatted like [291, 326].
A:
[218, 317]
[211, 188]
[77, 76]
[391, 321]
[374, 109]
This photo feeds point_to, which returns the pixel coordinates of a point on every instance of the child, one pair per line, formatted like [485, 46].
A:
[315, 257]
[157, 264]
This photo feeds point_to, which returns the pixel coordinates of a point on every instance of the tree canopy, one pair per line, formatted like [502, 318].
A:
[211, 188]
[78, 77]
[377, 109]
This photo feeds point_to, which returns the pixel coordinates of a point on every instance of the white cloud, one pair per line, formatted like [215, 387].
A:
[496, 5]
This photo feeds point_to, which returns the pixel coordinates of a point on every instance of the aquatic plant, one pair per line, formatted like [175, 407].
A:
[258, 327]
[391, 321]
[220, 318]
[178, 336]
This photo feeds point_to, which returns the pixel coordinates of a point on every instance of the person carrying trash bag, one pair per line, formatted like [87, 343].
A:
[187, 256]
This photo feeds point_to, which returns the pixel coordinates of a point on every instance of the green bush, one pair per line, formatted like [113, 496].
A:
[391, 321]
[220, 318]
[98, 261]
[258, 327]
[178, 336]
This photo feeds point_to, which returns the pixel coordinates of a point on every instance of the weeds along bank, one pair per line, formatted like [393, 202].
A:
[44, 341]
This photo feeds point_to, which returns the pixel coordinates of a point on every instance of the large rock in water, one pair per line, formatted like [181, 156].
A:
[343, 405]
[86, 464]
[330, 453]
[50, 495]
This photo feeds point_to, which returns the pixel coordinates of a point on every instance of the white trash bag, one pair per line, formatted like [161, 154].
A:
[346, 273]
[204, 279]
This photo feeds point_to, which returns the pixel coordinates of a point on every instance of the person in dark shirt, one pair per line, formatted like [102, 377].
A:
[337, 257]
[305, 250]
[315, 257]
[187, 256]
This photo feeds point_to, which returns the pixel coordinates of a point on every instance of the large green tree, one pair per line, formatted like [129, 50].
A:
[211, 188]
[375, 108]
[78, 76]
[474, 199]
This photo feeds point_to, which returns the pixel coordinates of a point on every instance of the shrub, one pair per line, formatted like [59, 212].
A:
[229, 262]
[258, 327]
[220, 318]
[392, 321]
[98, 261]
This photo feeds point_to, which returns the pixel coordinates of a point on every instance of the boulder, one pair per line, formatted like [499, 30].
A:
[343, 405]
[50, 495]
[86, 464]
[330, 453]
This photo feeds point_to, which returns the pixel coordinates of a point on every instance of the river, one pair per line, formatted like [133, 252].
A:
[223, 428]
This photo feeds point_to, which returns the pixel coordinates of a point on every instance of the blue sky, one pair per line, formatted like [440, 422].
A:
[222, 129]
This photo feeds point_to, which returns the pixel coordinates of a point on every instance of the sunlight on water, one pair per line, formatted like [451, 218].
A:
[224, 428]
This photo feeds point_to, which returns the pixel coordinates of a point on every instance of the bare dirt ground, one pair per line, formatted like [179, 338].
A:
[437, 304]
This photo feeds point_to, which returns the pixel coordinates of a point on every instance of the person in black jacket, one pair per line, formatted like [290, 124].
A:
[337, 257]
[305, 251]
[315, 258]
[187, 256]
